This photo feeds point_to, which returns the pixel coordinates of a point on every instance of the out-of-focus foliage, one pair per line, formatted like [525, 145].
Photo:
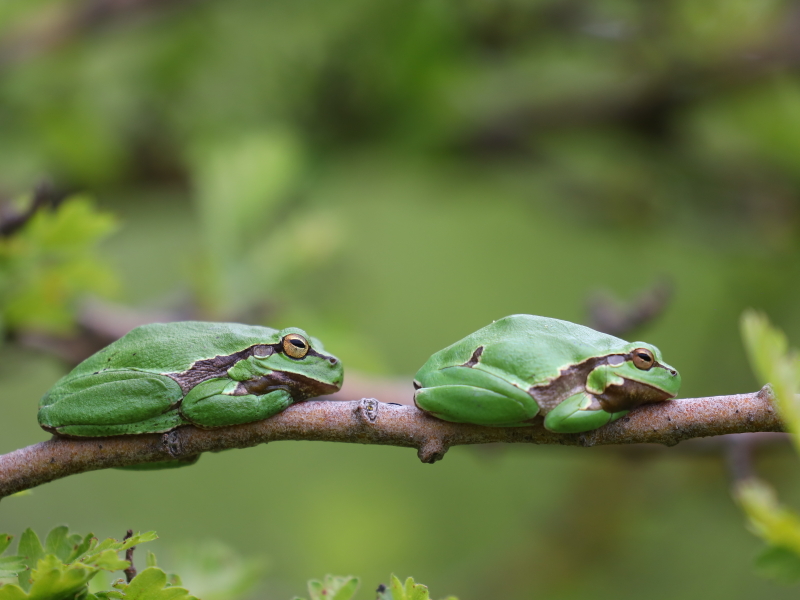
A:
[776, 525]
[779, 366]
[775, 364]
[241, 186]
[51, 262]
[214, 571]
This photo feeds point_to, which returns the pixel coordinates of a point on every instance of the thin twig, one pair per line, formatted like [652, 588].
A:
[130, 572]
[368, 421]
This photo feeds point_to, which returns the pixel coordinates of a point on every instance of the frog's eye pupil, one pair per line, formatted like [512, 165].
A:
[295, 345]
[643, 359]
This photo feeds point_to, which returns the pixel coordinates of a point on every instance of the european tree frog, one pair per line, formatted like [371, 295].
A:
[520, 366]
[161, 376]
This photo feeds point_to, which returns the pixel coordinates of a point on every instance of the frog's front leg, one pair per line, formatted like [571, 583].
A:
[213, 403]
[467, 395]
[578, 413]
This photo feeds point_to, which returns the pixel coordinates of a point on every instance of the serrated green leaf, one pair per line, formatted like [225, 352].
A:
[347, 589]
[53, 579]
[107, 560]
[56, 542]
[5, 541]
[151, 584]
[333, 587]
[30, 549]
[137, 539]
[81, 548]
[398, 593]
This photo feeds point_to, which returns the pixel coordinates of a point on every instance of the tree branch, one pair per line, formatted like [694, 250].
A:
[368, 421]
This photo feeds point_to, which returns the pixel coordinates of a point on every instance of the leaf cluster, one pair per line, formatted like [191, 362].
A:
[334, 587]
[63, 567]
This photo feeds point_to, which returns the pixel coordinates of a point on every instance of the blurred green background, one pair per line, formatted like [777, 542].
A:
[391, 176]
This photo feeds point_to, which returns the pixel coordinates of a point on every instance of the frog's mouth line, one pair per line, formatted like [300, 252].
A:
[299, 386]
[630, 395]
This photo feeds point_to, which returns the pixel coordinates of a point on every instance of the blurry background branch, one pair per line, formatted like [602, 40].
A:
[371, 422]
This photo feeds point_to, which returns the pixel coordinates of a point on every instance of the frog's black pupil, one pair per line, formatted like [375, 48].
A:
[645, 357]
[297, 343]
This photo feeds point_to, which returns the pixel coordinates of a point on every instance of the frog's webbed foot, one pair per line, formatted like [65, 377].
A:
[578, 413]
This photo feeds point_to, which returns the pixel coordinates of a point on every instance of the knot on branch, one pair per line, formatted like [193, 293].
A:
[368, 409]
[172, 444]
[432, 450]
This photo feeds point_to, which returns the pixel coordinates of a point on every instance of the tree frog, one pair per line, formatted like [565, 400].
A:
[164, 375]
[520, 366]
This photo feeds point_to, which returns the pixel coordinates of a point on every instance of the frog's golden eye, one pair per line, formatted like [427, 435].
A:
[643, 358]
[295, 345]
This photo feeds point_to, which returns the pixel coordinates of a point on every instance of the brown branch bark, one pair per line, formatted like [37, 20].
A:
[368, 421]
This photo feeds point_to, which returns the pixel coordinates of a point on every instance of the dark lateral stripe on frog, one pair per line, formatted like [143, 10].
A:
[209, 368]
[476, 356]
[299, 386]
[571, 381]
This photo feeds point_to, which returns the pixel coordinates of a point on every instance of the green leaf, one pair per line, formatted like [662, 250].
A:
[769, 520]
[53, 579]
[11, 566]
[5, 541]
[30, 549]
[150, 559]
[57, 542]
[82, 547]
[12, 592]
[107, 560]
[408, 591]
[774, 363]
[779, 563]
[151, 584]
[333, 587]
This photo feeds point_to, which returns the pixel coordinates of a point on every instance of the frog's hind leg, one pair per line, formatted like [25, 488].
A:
[213, 403]
[579, 413]
[469, 395]
[113, 402]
